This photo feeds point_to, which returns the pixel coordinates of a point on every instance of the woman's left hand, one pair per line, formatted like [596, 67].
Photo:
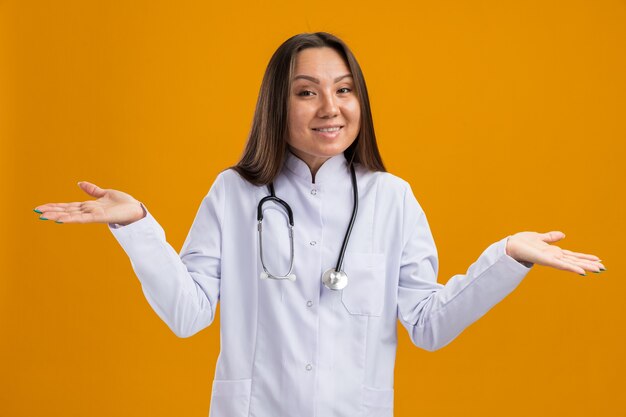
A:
[535, 248]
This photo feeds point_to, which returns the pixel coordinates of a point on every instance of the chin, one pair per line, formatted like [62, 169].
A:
[330, 153]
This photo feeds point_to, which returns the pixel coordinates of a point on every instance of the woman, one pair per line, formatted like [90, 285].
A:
[308, 315]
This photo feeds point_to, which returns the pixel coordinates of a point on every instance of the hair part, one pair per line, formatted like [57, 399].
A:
[266, 148]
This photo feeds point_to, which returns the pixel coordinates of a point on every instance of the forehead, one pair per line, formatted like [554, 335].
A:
[322, 62]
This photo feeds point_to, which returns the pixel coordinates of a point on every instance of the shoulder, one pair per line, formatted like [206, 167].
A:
[393, 191]
[228, 187]
[384, 181]
[229, 180]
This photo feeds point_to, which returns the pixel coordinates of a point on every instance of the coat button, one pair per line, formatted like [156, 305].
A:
[312, 243]
[313, 191]
[309, 366]
[309, 303]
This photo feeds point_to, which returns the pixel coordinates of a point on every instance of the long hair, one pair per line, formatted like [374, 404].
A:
[266, 148]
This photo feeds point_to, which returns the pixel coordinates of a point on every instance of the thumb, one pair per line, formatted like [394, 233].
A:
[553, 236]
[91, 189]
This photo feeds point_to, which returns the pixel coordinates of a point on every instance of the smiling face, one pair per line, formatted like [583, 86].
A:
[324, 111]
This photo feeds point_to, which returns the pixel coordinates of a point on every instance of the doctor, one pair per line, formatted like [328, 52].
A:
[296, 339]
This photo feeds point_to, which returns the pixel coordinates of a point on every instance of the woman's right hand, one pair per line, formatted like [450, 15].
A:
[111, 206]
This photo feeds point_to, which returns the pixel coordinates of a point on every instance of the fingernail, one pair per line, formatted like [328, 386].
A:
[584, 275]
[37, 211]
[602, 269]
[596, 272]
[56, 221]
[42, 218]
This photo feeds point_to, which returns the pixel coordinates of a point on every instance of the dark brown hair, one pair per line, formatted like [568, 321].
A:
[265, 151]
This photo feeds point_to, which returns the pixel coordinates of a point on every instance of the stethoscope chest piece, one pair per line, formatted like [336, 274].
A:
[335, 280]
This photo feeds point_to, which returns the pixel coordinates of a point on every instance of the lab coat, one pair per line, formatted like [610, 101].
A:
[297, 348]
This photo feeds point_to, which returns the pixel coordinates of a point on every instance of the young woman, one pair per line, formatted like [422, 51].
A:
[308, 313]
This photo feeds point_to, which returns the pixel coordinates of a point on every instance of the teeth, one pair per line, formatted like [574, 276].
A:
[329, 129]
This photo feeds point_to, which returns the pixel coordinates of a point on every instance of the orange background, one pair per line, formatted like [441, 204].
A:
[503, 115]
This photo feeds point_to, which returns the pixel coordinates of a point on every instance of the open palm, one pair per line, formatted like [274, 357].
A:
[110, 206]
[535, 248]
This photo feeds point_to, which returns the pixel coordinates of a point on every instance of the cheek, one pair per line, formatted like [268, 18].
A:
[297, 118]
[354, 111]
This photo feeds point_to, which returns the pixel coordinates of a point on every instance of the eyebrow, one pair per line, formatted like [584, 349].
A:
[316, 81]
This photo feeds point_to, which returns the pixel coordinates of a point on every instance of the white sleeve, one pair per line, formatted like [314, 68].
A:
[183, 289]
[432, 313]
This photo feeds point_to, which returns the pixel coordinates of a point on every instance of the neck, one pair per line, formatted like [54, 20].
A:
[314, 163]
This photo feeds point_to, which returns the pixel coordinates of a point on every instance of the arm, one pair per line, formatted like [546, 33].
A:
[183, 289]
[435, 314]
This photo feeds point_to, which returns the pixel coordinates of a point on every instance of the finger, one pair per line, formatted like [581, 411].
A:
[591, 265]
[57, 206]
[567, 265]
[76, 217]
[71, 209]
[91, 189]
[558, 261]
[54, 214]
[553, 236]
[585, 264]
[67, 207]
[581, 255]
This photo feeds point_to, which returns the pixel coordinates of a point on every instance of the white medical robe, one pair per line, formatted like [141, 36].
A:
[298, 349]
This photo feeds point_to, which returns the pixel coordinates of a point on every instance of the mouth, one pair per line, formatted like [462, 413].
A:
[328, 129]
[329, 132]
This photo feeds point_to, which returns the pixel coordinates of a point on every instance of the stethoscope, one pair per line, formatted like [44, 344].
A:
[334, 278]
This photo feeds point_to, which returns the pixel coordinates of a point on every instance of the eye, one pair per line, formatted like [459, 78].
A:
[305, 93]
[344, 90]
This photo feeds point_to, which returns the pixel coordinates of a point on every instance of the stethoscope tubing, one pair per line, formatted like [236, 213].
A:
[355, 209]
[333, 279]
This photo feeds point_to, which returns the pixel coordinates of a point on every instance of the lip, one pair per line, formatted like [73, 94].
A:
[328, 135]
[326, 127]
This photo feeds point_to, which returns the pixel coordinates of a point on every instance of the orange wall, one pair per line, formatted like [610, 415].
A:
[503, 115]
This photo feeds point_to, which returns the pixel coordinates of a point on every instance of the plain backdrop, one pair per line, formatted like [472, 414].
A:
[504, 116]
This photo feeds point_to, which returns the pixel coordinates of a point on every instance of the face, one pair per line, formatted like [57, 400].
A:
[324, 111]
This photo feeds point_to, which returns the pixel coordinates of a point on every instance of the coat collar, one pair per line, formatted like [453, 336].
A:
[334, 168]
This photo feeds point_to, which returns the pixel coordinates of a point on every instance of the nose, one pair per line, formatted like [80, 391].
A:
[328, 106]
